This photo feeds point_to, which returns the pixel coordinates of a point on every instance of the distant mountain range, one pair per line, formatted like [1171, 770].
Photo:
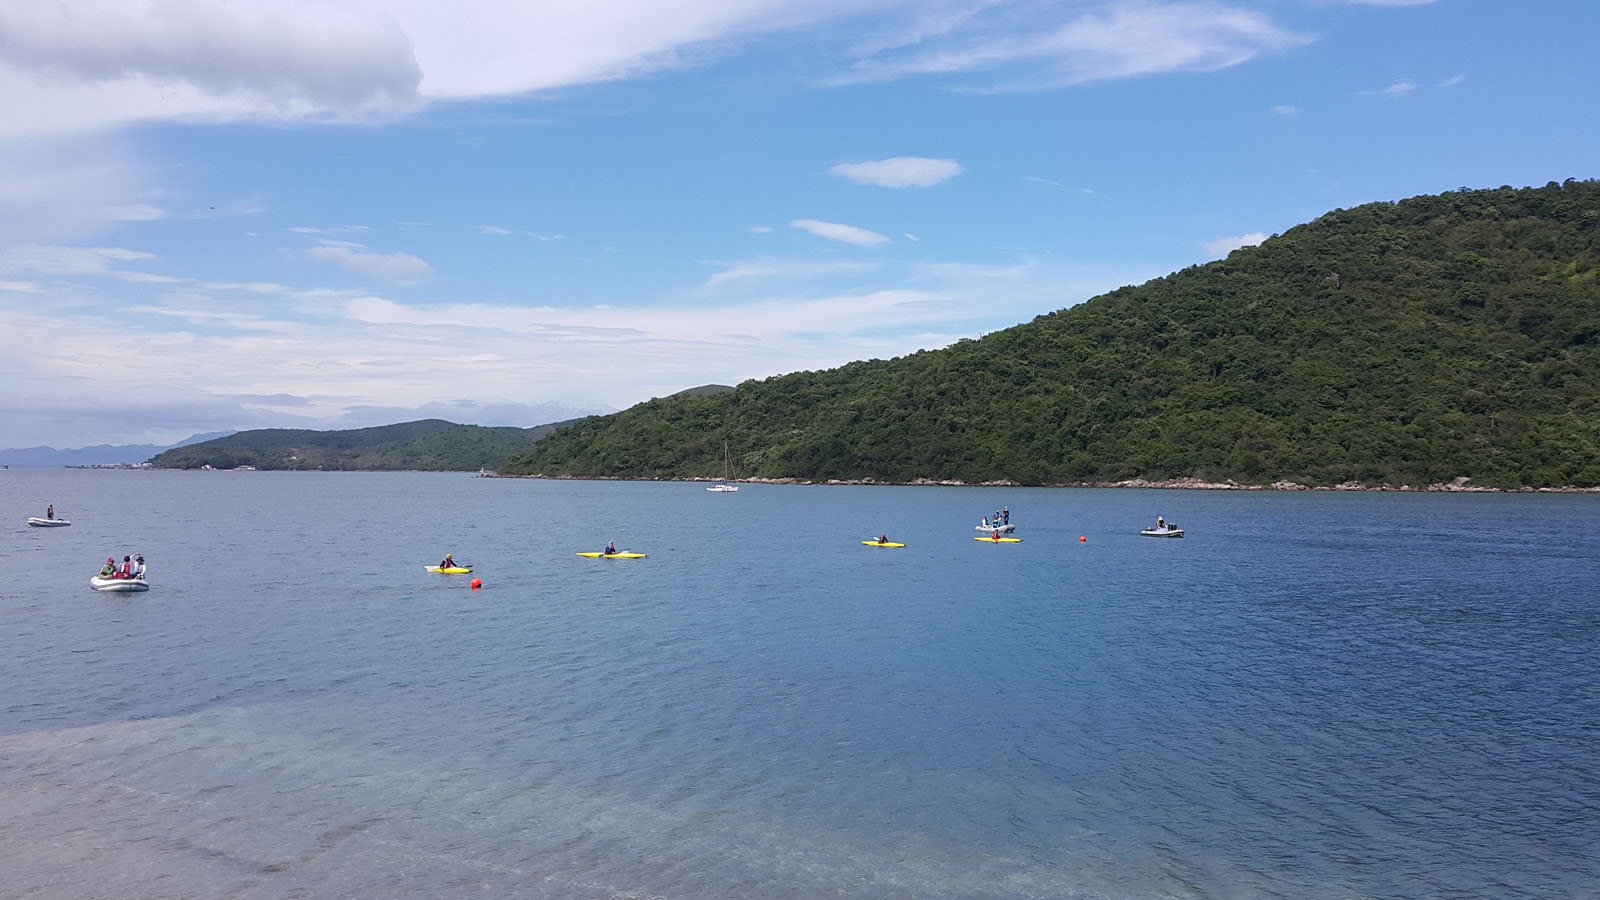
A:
[428, 445]
[98, 455]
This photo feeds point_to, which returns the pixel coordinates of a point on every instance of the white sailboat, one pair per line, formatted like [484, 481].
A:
[723, 487]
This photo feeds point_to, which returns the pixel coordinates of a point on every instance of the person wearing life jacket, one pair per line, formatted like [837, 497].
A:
[138, 567]
[109, 570]
[448, 562]
[127, 567]
[611, 548]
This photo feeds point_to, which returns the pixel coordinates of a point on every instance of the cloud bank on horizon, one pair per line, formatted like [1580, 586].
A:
[307, 212]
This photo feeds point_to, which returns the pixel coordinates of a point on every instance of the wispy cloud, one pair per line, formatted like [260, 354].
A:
[1039, 179]
[760, 229]
[493, 230]
[772, 269]
[52, 259]
[20, 287]
[835, 231]
[1125, 40]
[398, 267]
[1396, 91]
[1453, 80]
[1222, 246]
[899, 171]
[340, 229]
[1285, 110]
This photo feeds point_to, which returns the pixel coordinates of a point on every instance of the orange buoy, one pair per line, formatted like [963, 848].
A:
[1082, 539]
[476, 583]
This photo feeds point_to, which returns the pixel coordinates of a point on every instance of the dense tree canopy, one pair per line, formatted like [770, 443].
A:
[1394, 343]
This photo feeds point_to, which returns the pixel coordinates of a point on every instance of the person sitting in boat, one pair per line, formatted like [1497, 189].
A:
[138, 567]
[127, 567]
[883, 538]
[996, 535]
[611, 548]
[109, 570]
[448, 562]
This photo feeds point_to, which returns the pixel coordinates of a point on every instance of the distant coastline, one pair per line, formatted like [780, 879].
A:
[1461, 485]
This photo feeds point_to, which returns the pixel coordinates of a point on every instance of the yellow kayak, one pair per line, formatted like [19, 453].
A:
[990, 540]
[620, 555]
[453, 570]
[882, 544]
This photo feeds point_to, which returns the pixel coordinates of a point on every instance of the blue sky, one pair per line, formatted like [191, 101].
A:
[337, 213]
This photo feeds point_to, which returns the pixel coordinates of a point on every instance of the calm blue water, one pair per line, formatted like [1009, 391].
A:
[1310, 696]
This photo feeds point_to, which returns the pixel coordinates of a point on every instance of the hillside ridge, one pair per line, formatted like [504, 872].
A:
[1406, 343]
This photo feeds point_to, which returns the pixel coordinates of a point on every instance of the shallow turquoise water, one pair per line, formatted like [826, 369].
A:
[1310, 696]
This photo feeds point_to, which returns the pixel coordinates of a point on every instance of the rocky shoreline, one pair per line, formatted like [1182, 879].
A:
[1462, 485]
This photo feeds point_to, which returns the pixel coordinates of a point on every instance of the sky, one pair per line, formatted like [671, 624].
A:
[234, 214]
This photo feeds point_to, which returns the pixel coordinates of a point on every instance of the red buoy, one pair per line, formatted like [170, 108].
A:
[1082, 539]
[476, 583]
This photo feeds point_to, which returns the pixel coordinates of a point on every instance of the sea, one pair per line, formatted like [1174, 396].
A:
[1311, 695]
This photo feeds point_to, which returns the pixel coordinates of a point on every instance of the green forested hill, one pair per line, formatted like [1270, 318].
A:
[1400, 343]
[426, 445]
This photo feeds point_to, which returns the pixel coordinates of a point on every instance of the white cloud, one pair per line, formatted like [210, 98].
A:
[1037, 179]
[50, 259]
[1285, 110]
[768, 269]
[911, 237]
[834, 231]
[147, 278]
[72, 66]
[1394, 91]
[19, 287]
[1453, 80]
[493, 230]
[1222, 246]
[79, 65]
[342, 229]
[1125, 40]
[399, 267]
[900, 171]
[760, 229]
